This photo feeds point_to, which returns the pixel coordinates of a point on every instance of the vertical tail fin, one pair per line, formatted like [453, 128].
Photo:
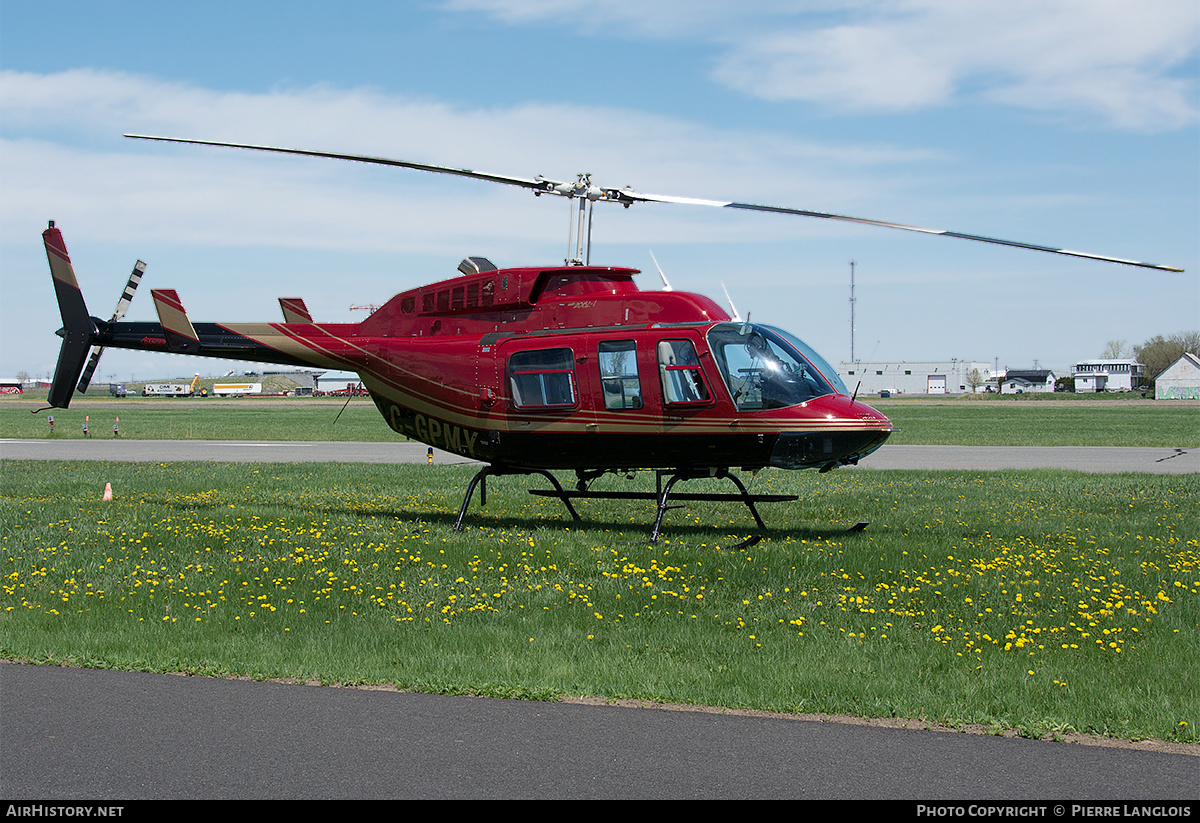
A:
[78, 329]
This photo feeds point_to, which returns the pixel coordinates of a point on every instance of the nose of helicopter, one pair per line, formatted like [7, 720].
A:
[837, 431]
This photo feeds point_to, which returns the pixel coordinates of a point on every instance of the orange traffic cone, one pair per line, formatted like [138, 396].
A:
[107, 492]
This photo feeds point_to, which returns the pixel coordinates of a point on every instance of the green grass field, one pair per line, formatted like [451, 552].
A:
[164, 419]
[1036, 601]
[1038, 424]
[965, 423]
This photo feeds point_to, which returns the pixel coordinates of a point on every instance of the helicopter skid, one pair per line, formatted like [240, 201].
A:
[480, 480]
[661, 497]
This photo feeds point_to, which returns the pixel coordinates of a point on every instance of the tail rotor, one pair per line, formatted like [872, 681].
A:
[135, 278]
[79, 331]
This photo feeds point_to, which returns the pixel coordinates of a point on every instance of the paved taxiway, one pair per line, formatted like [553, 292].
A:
[110, 736]
[1102, 459]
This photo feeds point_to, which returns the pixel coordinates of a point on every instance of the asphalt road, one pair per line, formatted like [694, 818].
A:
[1102, 459]
[72, 734]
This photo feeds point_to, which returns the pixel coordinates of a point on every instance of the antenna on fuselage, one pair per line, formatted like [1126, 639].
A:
[666, 285]
[732, 307]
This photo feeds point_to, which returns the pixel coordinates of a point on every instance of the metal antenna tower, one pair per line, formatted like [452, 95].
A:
[852, 264]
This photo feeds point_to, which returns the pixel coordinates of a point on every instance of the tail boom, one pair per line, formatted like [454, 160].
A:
[252, 342]
[298, 343]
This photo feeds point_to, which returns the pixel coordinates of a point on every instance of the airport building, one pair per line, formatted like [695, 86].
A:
[1026, 381]
[1107, 375]
[953, 377]
[338, 382]
[1180, 380]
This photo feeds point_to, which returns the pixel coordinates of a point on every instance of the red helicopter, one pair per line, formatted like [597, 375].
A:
[530, 370]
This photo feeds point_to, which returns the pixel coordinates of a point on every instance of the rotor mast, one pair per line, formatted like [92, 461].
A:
[579, 238]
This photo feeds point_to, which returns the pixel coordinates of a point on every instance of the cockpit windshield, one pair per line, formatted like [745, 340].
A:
[767, 368]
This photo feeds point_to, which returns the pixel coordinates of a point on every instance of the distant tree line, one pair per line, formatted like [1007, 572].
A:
[1157, 353]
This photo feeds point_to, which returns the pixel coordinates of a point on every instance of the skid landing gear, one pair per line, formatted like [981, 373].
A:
[661, 497]
[691, 474]
[480, 479]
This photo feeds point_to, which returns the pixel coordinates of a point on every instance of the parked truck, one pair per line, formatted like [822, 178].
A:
[236, 389]
[166, 390]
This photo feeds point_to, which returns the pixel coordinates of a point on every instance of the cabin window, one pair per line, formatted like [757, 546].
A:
[542, 379]
[427, 301]
[443, 300]
[408, 304]
[619, 374]
[682, 378]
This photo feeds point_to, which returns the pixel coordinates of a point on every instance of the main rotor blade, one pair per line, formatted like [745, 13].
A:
[537, 184]
[627, 197]
[659, 198]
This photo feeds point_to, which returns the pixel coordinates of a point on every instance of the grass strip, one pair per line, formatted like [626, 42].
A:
[917, 423]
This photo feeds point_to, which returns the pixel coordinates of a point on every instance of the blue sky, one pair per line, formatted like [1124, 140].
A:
[1069, 123]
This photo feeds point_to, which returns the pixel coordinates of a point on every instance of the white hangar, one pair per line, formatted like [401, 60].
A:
[953, 377]
[1180, 380]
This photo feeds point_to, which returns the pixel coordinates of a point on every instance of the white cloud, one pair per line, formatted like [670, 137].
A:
[853, 67]
[64, 155]
[1125, 65]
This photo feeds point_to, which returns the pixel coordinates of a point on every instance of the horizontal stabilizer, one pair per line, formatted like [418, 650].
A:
[181, 335]
[294, 310]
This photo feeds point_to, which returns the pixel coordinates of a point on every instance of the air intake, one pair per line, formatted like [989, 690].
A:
[475, 265]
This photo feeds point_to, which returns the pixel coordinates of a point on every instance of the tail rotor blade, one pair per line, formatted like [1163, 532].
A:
[89, 370]
[135, 279]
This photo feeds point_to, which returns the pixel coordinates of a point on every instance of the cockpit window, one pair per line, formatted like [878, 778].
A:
[682, 378]
[808, 353]
[765, 368]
